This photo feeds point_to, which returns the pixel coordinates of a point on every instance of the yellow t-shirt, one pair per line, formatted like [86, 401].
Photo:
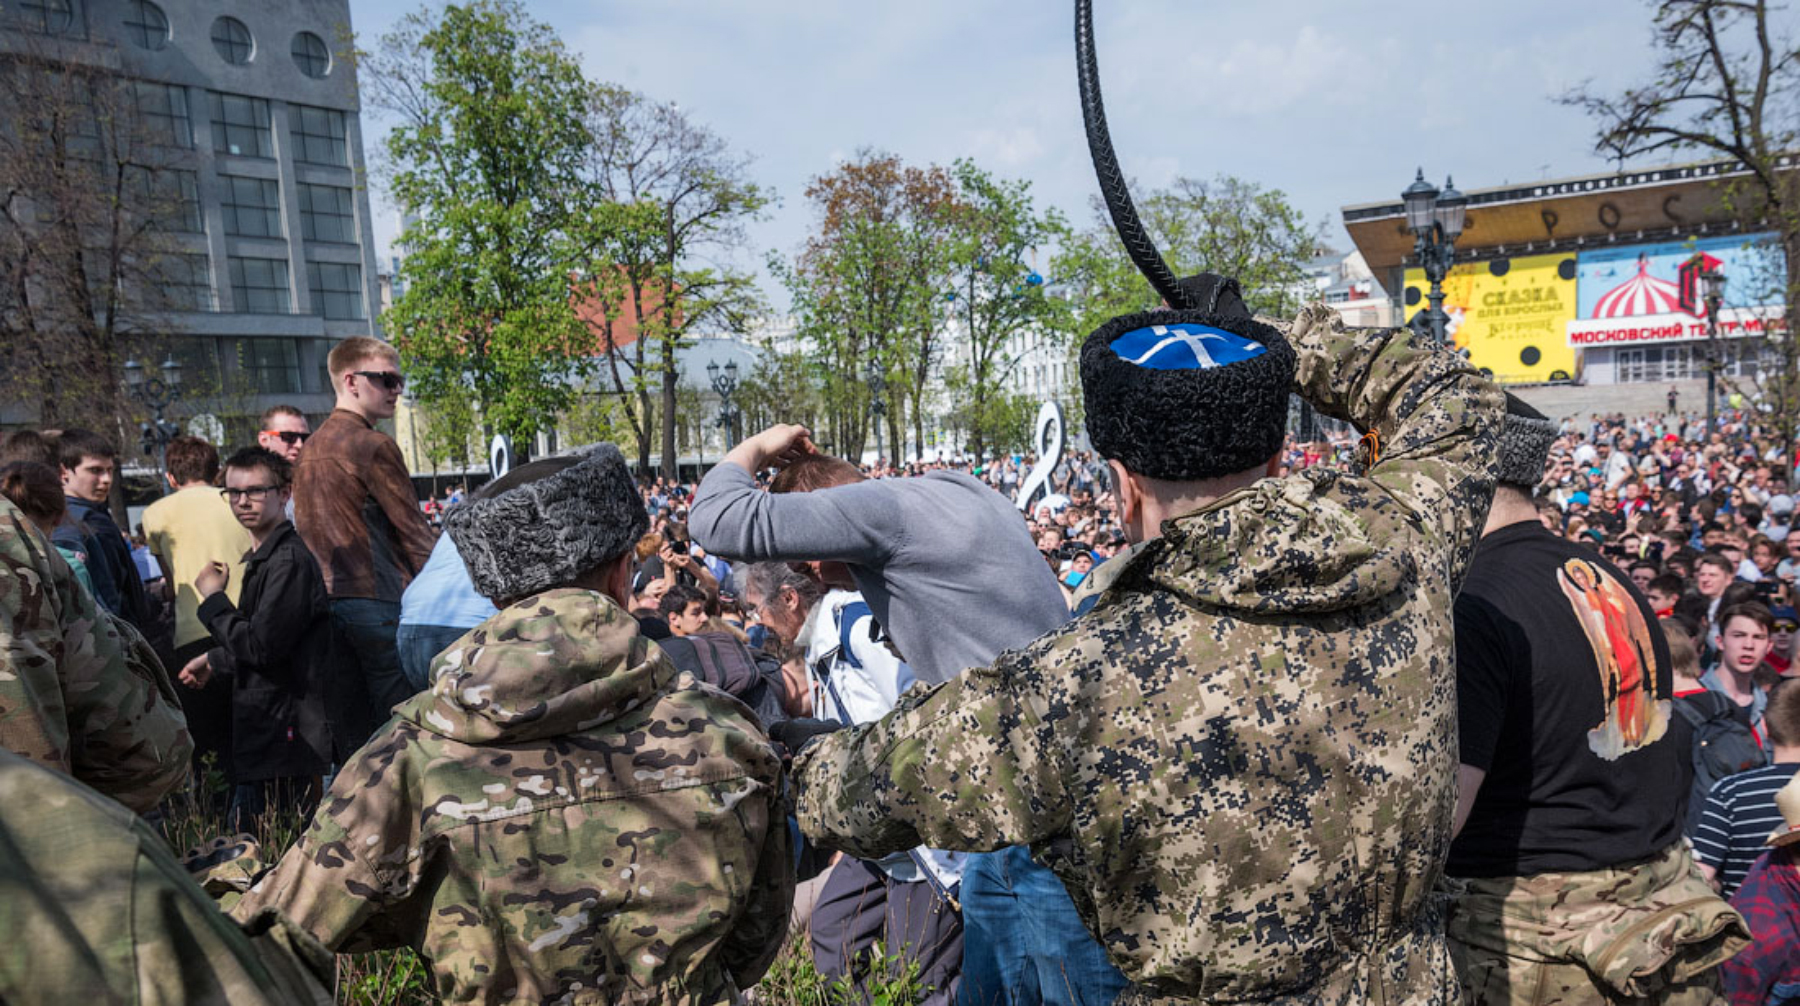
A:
[188, 529]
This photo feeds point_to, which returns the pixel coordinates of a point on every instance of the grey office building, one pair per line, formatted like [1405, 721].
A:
[279, 247]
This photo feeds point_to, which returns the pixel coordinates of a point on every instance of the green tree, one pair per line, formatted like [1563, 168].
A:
[867, 287]
[1726, 85]
[997, 295]
[485, 159]
[674, 203]
[1228, 226]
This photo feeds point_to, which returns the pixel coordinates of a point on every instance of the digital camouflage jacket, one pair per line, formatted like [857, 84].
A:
[1242, 761]
[564, 817]
[80, 690]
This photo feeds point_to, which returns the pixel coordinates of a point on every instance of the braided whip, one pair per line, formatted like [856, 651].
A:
[1106, 165]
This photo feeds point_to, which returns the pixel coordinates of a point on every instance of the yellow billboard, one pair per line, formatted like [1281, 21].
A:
[1511, 314]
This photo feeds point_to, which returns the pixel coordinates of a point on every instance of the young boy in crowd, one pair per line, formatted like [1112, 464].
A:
[274, 647]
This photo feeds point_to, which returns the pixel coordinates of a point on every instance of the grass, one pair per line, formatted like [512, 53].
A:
[402, 978]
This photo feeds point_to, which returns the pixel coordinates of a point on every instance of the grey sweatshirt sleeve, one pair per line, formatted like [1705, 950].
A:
[733, 518]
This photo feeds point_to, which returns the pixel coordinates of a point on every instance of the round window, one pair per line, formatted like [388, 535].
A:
[233, 41]
[146, 24]
[311, 54]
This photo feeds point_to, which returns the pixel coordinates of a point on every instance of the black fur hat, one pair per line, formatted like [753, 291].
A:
[1186, 395]
[1525, 438]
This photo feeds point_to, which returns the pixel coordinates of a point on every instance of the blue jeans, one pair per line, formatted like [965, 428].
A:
[1023, 942]
[368, 629]
[419, 646]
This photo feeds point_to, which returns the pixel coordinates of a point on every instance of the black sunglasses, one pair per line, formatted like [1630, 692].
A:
[388, 379]
[289, 437]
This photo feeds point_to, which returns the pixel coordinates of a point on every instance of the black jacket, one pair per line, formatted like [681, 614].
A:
[117, 585]
[275, 647]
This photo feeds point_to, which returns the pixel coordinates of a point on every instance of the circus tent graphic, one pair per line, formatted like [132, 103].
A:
[1641, 294]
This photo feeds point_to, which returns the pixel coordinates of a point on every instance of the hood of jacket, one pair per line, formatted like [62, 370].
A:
[1296, 545]
[556, 663]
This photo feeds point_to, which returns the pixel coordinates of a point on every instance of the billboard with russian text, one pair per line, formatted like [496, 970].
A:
[1634, 294]
[1511, 314]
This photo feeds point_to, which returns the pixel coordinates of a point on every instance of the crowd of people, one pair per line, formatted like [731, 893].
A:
[1217, 715]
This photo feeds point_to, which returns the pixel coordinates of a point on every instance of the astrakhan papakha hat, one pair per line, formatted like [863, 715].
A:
[1525, 439]
[547, 533]
[1186, 395]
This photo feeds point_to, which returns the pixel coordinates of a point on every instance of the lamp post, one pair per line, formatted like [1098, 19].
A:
[1712, 293]
[724, 384]
[1436, 220]
[156, 394]
[877, 407]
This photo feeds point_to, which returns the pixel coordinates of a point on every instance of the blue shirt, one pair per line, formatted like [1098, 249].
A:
[442, 594]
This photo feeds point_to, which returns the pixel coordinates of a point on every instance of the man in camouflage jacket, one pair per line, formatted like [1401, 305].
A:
[564, 815]
[1242, 761]
[80, 691]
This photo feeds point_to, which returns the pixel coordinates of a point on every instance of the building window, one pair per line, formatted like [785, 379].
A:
[272, 365]
[232, 40]
[186, 282]
[52, 17]
[319, 135]
[260, 285]
[311, 55]
[169, 198]
[146, 24]
[336, 289]
[163, 111]
[252, 206]
[240, 126]
[327, 213]
[199, 359]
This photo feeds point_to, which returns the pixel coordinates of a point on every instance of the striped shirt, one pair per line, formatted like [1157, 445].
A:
[1740, 813]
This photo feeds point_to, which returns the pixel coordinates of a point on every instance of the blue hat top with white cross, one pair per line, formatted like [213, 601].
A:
[1184, 346]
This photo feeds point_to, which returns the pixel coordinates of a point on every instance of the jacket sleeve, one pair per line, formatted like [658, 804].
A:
[270, 636]
[732, 517]
[1436, 422]
[753, 944]
[967, 765]
[393, 492]
[329, 883]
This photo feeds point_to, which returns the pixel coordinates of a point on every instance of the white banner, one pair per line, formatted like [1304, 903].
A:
[1734, 323]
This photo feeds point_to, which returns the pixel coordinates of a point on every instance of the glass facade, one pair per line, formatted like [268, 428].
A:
[319, 135]
[163, 113]
[336, 289]
[252, 206]
[327, 213]
[260, 285]
[240, 126]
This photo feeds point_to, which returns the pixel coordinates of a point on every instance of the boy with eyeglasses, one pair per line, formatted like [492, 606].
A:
[355, 507]
[273, 648]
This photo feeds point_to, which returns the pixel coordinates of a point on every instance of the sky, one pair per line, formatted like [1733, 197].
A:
[1333, 103]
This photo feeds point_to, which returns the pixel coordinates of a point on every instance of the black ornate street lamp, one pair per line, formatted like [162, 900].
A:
[1436, 221]
[877, 407]
[724, 384]
[1712, 293]
[156, 394]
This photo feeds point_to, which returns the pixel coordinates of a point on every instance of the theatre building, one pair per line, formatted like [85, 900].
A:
[1593, 281]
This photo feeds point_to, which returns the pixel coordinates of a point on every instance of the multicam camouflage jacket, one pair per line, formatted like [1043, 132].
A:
[95, 910]
[1242, 761]
[563, 817]
[80, 690]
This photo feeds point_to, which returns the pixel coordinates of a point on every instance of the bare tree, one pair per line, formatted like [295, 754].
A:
[96, 191]
[675, 203]
[1728, 86]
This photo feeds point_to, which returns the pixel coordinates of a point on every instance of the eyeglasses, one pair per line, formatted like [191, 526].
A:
[1785, 627]
[389, 379]
[288, 437]
[248, 492]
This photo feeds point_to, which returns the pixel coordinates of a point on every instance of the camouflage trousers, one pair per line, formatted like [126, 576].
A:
[1646, 932]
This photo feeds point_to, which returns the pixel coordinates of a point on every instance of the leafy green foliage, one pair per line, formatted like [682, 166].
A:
[1229, 226]
[486, 161]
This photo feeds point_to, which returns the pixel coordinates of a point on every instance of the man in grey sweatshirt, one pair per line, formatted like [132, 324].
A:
[948, 568]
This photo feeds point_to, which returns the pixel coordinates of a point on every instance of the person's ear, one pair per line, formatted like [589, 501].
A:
[170, 479]
[1126, 493]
